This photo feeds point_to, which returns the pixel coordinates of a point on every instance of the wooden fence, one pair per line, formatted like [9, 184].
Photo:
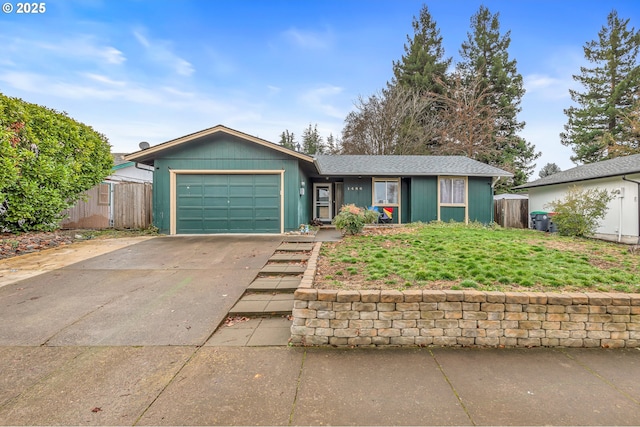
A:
[121, 205]
[132, 205]
[512, 213]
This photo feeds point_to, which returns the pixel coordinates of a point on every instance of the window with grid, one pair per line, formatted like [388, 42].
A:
[452, 191]
[385, 192]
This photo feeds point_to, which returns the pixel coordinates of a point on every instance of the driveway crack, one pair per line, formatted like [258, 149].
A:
[453, 389]
[87, 314]
[600, 377]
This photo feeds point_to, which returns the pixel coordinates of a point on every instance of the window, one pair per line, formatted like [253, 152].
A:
[104, 191]
[452, 191]
[385, 192]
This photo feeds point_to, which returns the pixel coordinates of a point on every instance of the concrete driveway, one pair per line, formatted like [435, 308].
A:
[162, 291]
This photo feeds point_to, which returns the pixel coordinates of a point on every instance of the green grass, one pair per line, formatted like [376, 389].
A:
[471, 256]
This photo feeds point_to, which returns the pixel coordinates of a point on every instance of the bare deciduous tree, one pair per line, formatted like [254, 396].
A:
[393, 121]
[467, 121]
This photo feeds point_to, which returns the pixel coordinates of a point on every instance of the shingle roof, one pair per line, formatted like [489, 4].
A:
[606, 168]
[349, 165]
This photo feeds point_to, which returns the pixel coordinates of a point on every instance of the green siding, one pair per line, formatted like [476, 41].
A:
[225, 152]
[448, 213]
[358, 192]
[480, 200]
[424, 199]
[305, 200]
[405, 197]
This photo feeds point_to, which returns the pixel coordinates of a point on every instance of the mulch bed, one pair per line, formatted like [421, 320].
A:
[19, 244]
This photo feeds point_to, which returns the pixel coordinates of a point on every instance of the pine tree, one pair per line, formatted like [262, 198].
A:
[423, 62]
[334, 145]
[485, 54]
[549, 169]
[312, 141]
[287, 140]
[600, 126]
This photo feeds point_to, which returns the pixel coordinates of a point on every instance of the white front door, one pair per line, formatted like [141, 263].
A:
[322, 202]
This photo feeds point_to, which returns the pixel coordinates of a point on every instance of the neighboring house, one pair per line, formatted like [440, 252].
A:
[220, 180]
[619, 176]
[125, 171]
[119, 201]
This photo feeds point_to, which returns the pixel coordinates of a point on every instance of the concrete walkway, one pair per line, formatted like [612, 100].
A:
[213, 385]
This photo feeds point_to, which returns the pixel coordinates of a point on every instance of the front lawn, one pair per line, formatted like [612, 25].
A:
[455, 256]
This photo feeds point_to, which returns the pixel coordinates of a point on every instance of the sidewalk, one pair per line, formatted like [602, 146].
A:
[317, 386]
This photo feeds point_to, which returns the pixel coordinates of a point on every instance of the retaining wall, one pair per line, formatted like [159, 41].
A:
[464, 318]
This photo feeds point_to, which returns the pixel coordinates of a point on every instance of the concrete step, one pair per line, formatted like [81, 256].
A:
[295, 247]
[275, 284]
[259, 305]
[299, 238]
[289, 257]
[283, 269]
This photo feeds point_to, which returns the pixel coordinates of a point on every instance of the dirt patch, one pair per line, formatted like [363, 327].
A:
[18, 244]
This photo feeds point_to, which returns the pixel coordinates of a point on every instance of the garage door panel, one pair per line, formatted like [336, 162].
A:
[219, 203]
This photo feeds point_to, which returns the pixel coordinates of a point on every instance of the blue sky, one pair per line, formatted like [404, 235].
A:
[156, 70]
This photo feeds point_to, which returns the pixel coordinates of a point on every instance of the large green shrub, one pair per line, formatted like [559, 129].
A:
[580, 212]
[351, 219]
[47, 160]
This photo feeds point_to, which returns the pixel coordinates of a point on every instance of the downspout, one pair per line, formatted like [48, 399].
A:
[624, 178]
[494, 179]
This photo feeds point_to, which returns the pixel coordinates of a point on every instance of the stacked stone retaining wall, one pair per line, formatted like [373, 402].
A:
[464, 318]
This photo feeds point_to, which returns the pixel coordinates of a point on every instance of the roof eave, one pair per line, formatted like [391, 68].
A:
[569, 181]
[147, 156]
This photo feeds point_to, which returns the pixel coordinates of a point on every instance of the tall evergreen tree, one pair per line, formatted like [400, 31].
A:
[287, 140]
[600, 126]
[312, 141]
[423, 63]
[549, 169]
[485, 54]
[334, 145]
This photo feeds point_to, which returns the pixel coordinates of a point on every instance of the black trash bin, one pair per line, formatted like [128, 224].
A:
[540, 220]
[553, 227]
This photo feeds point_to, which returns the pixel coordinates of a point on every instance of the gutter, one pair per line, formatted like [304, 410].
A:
[624, 178]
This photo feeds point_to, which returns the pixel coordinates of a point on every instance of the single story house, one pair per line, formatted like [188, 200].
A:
[220, 180]
[619, 176]
[126, 171]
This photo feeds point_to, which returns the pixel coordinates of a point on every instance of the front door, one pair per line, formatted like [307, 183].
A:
[322, 202]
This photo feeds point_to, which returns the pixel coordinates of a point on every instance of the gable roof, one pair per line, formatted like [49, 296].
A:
[148, 155]
[604, 169]
[349, 165]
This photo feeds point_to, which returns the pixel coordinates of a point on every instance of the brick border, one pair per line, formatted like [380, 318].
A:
[461, 318]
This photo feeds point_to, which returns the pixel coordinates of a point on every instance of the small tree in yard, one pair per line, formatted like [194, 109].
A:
[580, 212]
[47, 160]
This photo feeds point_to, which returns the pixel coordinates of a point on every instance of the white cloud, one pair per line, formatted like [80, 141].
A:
[309, 39]
[82, 47]
[547, 87]
[273, 90]
[318, 99]
[161, 52]
[104, 79]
